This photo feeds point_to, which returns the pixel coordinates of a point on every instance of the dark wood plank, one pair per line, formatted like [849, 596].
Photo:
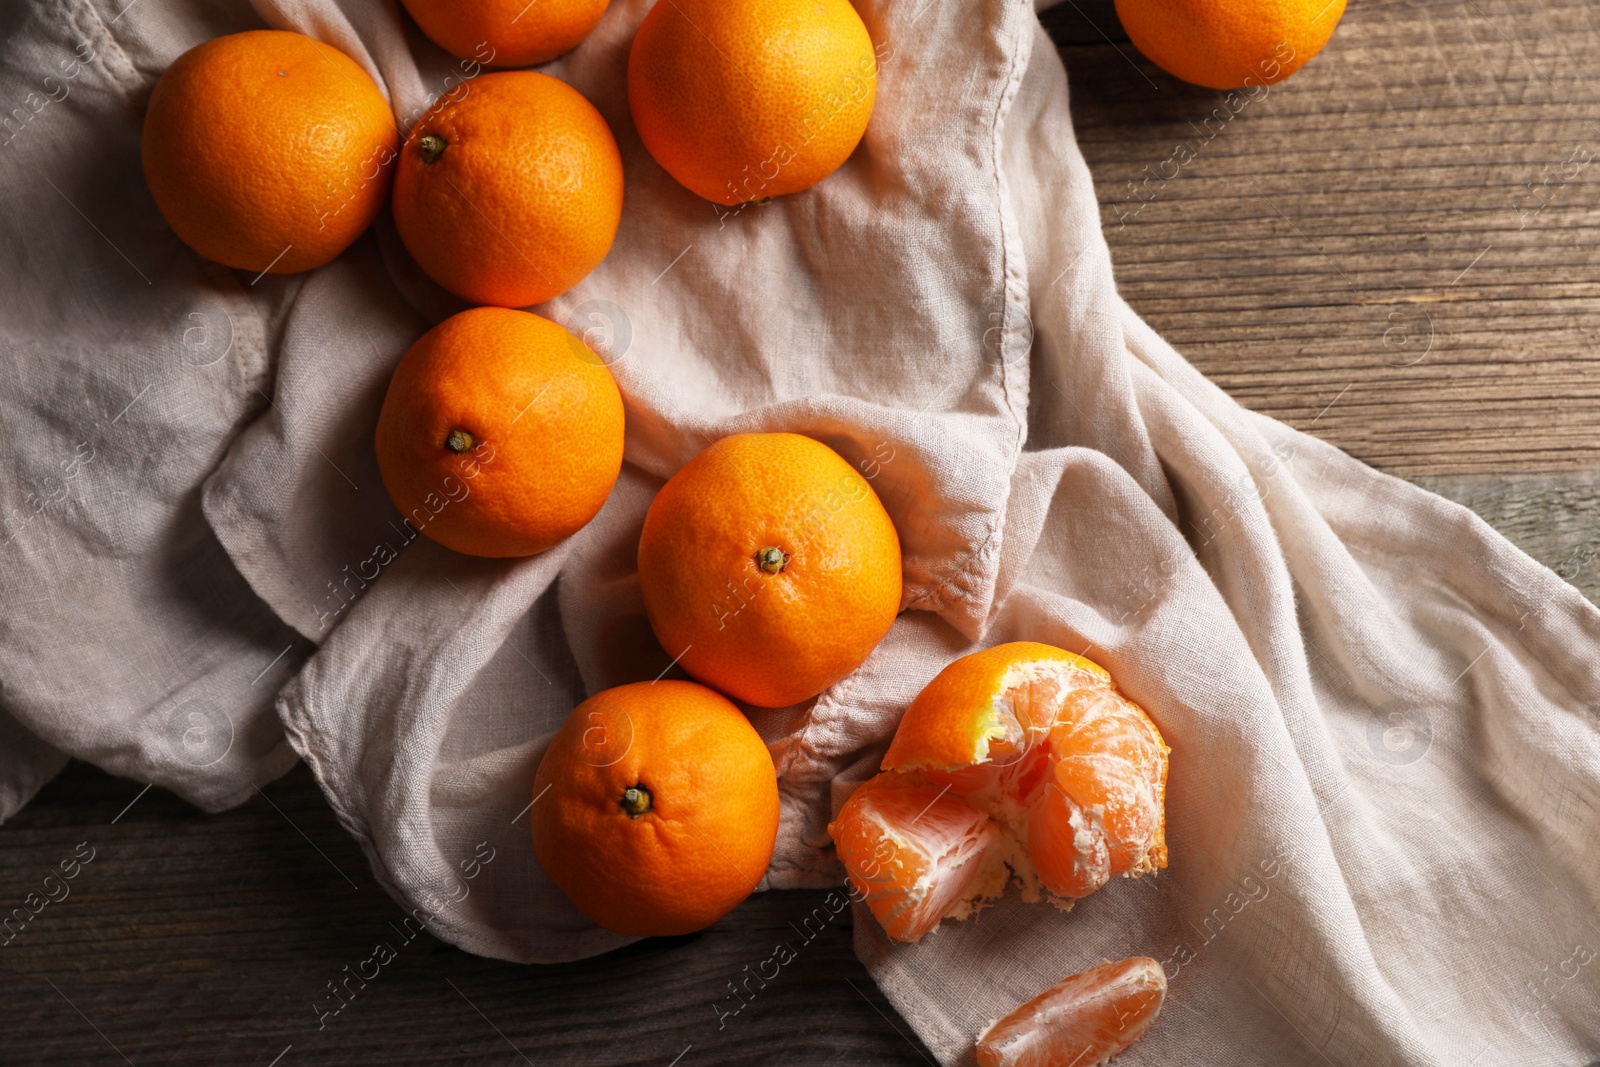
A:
[1555, 518]
[1395, 231]
[194, 939]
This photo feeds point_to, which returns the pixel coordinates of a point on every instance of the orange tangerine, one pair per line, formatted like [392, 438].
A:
[501, 433]
[268, 151]
[506, 33]
[1026, 757]
[741, 100]
[662, 808]
[511, 194]
[769, 568]
[1230, 44]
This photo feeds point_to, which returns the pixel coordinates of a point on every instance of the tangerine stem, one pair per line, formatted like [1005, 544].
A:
[432, 146]
[636, 800]
[459, 441]
[772, 560]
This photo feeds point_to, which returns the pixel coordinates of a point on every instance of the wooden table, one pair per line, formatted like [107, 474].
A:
[1393, 250]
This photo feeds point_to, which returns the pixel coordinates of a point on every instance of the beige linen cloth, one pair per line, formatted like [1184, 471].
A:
[1385, 792]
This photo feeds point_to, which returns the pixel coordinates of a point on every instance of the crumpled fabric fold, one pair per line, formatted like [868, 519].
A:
[1385, 777]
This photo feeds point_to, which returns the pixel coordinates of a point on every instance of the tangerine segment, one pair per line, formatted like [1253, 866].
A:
[1014, 771]
[1067, 845]
[1083, 1020]
[1112, 762]
[917, 852]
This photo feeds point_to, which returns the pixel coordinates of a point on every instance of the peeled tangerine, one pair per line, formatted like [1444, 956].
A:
[1021, 762]
[1081, 1021]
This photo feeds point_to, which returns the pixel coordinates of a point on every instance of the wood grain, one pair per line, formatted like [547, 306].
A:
[1555, 518]
[1396, 231]
[195, 939]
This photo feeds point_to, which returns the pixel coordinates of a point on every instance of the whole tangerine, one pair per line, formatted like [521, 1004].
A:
[512, 193]
[268, 151]
[501, 433]
[655, 808]
[769, 567]
[741, 100]
[1230, 44]
[516, 33]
